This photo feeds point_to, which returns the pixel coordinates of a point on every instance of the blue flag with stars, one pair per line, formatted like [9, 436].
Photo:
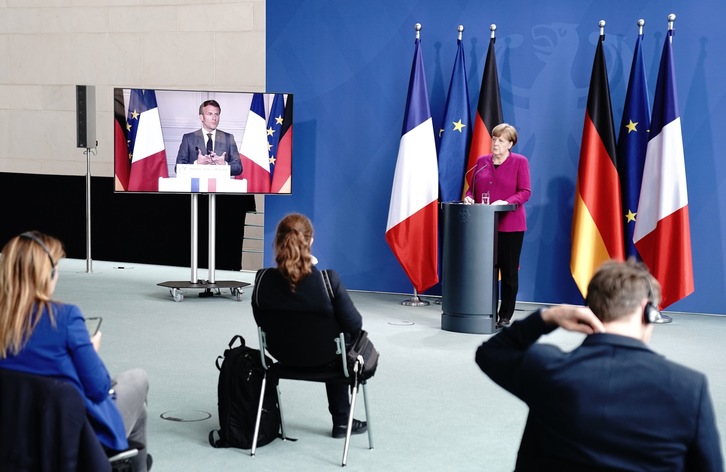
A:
[632, 145]
[274, 129]
[455, 132]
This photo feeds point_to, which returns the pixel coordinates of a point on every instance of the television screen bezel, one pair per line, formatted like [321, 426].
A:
[178, 115]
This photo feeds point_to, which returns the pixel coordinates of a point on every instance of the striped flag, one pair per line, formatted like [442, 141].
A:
[488, 114]
[412, 227]
[455, 134]
[632, 143]
[121, 160]
[253, 151]
[146, 142]
[662, 230]
[597, 227]
[282, 180]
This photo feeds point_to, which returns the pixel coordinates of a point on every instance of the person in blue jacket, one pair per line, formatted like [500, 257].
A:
[43, 337]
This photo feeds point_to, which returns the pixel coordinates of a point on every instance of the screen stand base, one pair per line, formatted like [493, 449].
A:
[209, 287]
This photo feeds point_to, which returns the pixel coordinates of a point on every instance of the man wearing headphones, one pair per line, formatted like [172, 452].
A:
[611, 403]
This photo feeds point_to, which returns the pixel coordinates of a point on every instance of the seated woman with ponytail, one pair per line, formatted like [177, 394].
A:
[296, 284]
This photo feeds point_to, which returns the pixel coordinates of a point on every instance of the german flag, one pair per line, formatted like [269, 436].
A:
[488, 114]
[597, 225]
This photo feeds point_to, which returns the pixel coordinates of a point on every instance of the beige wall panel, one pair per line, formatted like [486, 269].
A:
[214, 18]
[49, 46]
[20, 20]
[25, 97]
[143, 19]
[74, 20]
[41, 59]
[240, 61]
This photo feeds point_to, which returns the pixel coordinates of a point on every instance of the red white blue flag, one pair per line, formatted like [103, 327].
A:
[146, 142]
[412, 228]
[253, 152]
[662, 229]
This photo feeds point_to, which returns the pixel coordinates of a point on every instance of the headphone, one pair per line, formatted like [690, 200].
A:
[32, 236]
[650, 312]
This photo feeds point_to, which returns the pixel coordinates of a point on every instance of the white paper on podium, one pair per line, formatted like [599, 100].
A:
[203, 171]
[192, 178]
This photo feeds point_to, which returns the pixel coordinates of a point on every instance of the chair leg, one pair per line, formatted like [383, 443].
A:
[282, 417]
[368, 416]
[353, 395]
[259, 415]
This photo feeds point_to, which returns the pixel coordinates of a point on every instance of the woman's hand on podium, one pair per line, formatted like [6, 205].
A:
[468, 200]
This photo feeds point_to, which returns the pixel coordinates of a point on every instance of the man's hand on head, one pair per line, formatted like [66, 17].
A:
[573, 318]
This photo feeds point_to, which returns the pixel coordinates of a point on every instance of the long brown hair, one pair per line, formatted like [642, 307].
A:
[292, 248]
[27, 268]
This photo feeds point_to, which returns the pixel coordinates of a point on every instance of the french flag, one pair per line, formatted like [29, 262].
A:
[146, 142]
[253, 151]
[662, 232]
[412, 228]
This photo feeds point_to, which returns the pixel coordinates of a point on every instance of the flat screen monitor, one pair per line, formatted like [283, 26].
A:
[190, 141]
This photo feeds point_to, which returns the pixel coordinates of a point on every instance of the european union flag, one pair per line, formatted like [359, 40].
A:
[455, 133]
[274, 129]
[632, 145]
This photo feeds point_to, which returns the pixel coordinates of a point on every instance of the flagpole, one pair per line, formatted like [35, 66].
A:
[415, 300]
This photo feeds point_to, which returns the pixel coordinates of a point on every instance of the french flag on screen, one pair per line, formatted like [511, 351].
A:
[253, 151]
[146, 142]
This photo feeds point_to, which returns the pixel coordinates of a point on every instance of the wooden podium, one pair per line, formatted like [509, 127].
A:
[469, 274]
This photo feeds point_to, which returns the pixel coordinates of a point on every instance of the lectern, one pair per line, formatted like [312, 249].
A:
[469, 276]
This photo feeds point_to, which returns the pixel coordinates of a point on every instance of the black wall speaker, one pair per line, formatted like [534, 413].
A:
[85, 116]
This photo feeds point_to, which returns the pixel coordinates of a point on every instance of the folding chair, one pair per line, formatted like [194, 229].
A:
[309, 347]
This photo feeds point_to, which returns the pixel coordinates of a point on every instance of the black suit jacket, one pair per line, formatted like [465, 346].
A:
[44, 428]
[610, 404]
[224, 142]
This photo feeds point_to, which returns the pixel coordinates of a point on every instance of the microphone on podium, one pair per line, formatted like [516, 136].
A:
[473, 180]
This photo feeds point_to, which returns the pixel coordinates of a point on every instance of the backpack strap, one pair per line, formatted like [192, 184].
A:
[328, 285]
[258, 281]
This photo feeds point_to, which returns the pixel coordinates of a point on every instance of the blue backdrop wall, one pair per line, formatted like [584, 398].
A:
[348, 64]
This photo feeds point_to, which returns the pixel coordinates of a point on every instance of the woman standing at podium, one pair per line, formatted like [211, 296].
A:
[502, 178]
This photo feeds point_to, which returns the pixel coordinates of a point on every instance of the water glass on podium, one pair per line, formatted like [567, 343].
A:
[485, 198]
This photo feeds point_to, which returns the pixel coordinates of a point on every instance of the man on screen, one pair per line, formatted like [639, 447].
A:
[209, 145]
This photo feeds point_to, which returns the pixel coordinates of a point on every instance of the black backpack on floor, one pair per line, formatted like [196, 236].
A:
[238, 393]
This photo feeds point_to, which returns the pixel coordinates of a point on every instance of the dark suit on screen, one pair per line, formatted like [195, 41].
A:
[610, 404]
[224, 142]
